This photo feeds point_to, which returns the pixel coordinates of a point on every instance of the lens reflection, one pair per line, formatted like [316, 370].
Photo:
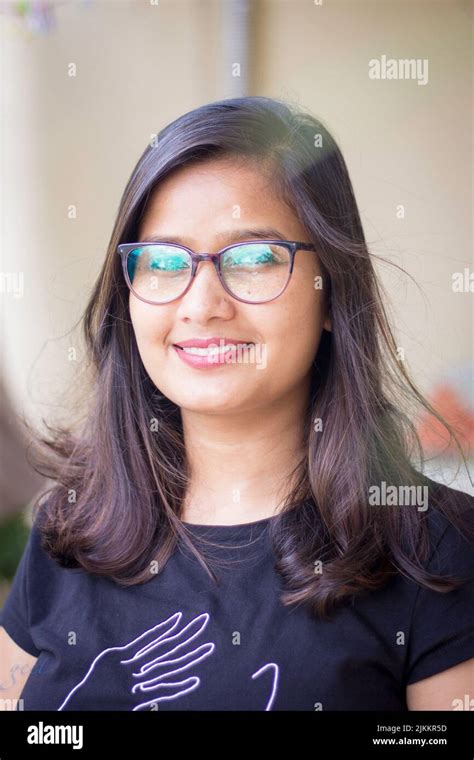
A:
[252, 271]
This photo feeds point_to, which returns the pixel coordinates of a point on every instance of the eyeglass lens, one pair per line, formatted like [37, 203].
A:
[252, 271]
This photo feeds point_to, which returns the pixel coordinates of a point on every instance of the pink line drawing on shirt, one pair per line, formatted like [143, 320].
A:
[275, 681]
[165, 653]
[153, 644]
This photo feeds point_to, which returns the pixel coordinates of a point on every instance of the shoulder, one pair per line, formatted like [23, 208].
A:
[442, 622]
[31, 582]
[450, 521]
[439, 494]
[39, 562]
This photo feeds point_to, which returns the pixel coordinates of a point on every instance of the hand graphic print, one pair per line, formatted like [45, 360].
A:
[151, 665]
[273, 668]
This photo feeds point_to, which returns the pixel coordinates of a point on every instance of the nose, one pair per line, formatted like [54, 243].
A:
[205, 298]
[206, 278]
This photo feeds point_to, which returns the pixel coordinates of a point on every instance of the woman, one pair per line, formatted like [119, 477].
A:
[237, 522]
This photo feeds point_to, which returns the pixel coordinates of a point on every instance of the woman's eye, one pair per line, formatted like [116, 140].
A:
[251, 257]
[169, 264]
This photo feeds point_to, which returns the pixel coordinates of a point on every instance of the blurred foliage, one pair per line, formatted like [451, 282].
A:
[14, 534]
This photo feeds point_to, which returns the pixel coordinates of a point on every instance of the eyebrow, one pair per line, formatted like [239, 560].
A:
[229, 236]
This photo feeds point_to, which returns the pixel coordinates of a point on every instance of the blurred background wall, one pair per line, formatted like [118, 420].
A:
[87, 83]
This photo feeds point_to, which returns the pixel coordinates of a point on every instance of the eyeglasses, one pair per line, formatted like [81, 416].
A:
[254, 271]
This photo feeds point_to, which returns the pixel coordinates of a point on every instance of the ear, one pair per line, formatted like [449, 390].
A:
[327, 323]
[327, 309]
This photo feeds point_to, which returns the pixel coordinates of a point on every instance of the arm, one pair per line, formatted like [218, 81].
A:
[444, 691]
[15, 668]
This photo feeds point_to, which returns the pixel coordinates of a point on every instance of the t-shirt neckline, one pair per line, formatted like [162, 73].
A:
[239, 530]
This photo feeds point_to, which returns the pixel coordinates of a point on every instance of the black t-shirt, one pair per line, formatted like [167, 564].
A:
[181, 642]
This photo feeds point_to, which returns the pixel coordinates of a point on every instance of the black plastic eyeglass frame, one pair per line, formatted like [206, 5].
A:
[293, 246]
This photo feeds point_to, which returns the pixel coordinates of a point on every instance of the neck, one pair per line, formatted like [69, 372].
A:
[241, 464]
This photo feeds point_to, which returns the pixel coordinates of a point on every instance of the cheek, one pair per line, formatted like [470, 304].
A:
[292, 337]
[149, 326]
[140, 323]
[301, 321]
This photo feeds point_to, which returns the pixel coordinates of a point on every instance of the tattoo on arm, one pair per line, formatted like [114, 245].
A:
[16, 669]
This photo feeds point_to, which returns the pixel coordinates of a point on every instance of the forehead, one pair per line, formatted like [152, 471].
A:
[217, 194]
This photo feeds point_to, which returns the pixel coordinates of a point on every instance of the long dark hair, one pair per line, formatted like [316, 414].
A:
[120, 473]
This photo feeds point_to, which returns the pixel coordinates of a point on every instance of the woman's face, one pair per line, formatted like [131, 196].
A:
[206, 205]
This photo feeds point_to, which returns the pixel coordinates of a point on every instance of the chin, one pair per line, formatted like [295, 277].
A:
[208, 402]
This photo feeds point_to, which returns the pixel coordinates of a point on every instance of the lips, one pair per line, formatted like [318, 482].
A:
[206, 353]
[202, 351]
[214, 341]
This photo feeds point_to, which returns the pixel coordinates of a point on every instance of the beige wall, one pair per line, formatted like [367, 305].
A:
[74, 140]
[404, 143]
